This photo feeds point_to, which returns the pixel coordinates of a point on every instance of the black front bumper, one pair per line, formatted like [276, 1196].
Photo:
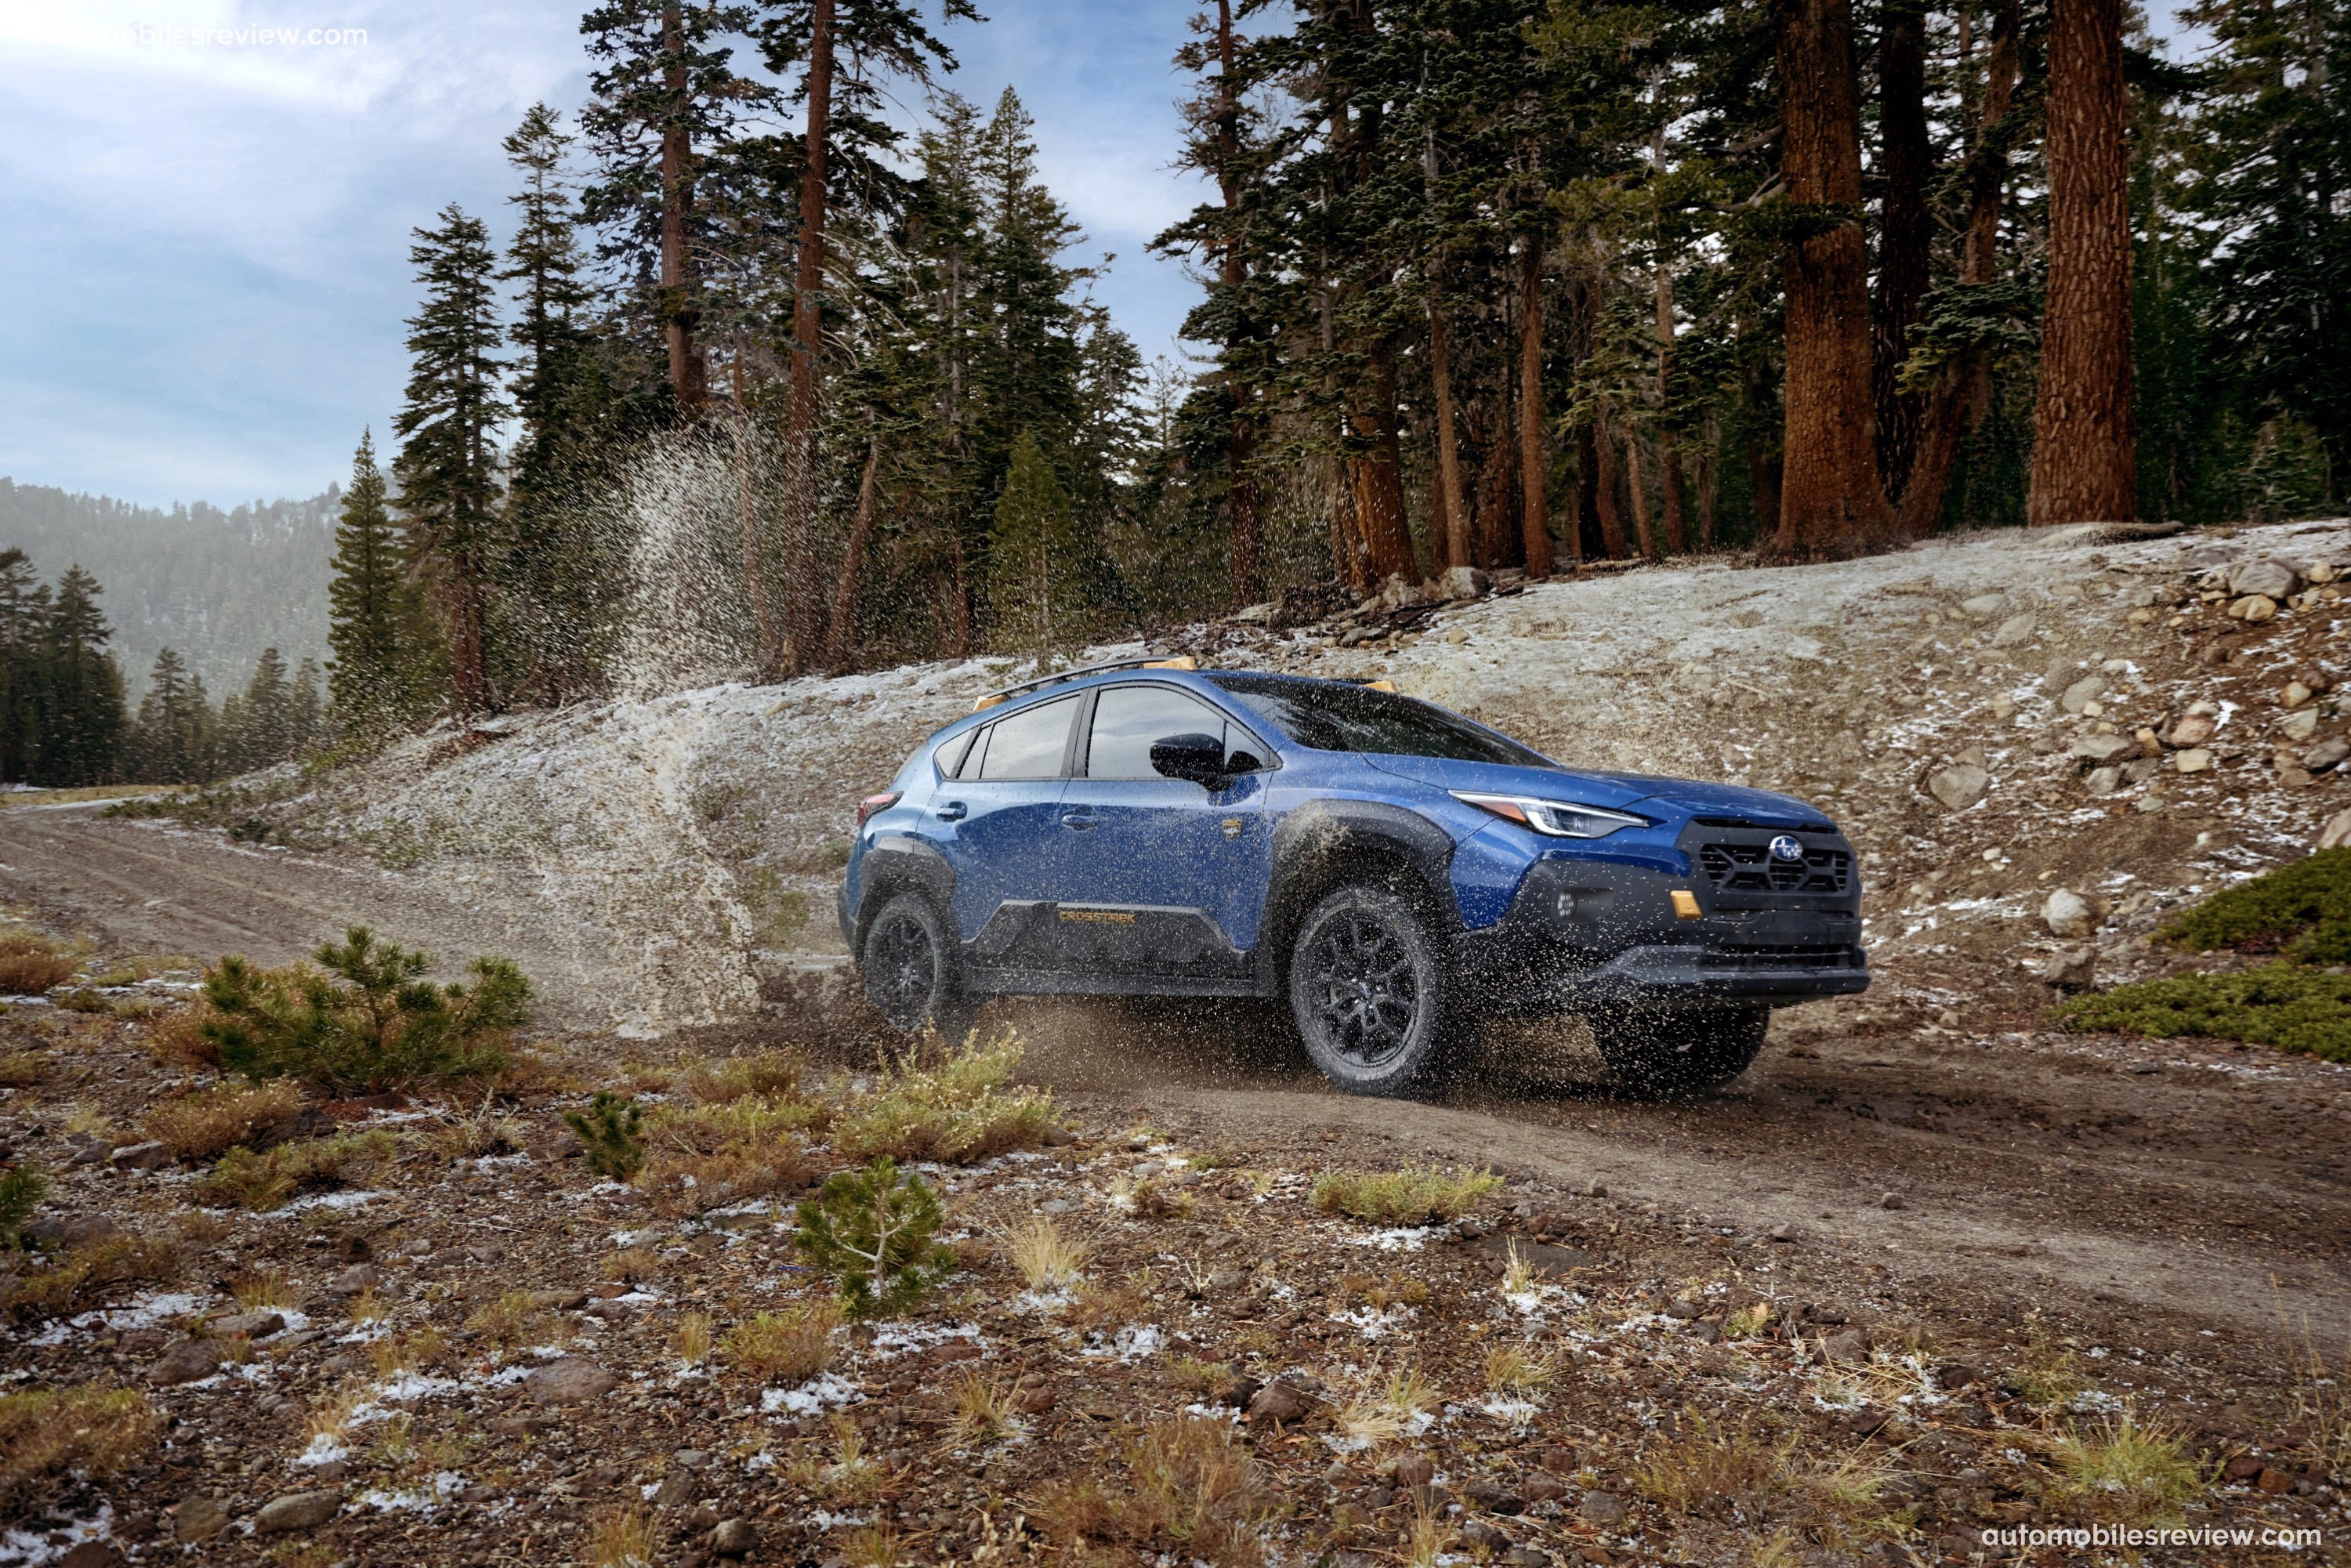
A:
[1582, 934]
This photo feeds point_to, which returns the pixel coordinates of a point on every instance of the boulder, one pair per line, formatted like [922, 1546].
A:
[574, 1380]
[2081, 693]
[1603, 1508]
[2071, 969]
[2104, 781]
[2337, 833]
[198, 1519]
[2263, 575]
[2067, 913]
[2014, 629]
[355, 1281]
[147, 1156]
[2100, 749]
[297, 1511]
[2195, 759]
[2253, 609]
[1959, 786]
[186, 1362]
[1983, 606]
[247, 1325]
[1462, 582]
[2327, 754]
[2194, 730]
[734, 1538]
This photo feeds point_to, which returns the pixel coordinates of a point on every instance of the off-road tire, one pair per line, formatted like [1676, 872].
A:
[1372, 995]
[911, 971]
[1669, 1052]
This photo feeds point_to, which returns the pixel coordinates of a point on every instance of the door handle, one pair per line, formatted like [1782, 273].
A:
[953, 811]
[1080, 820]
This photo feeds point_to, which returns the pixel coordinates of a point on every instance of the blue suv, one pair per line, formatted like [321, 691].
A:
[1393, 872]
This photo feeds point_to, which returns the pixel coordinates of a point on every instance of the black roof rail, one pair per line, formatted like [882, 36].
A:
[1142, 661]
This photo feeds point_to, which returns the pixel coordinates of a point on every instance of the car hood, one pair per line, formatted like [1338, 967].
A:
[1593, 786]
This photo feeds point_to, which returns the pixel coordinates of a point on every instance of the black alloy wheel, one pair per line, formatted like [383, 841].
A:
[1370, 993]
[909, 967]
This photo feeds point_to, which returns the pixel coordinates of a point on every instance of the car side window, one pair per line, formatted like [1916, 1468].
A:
[1029, 744]
[954, 756]
[1127, 719]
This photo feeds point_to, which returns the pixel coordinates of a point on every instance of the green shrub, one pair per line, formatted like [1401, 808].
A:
[612, 1134]
[21, 1191]
[2303, 910]
[1409, 1196]
[874, 1233]
[371, 1021]
[955, 1111]
[273, 1177]
[2282, 1005]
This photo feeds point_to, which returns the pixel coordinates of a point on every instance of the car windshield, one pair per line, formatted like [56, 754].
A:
[1330, 716]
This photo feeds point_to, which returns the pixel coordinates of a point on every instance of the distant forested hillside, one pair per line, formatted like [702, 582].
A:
[218, 585]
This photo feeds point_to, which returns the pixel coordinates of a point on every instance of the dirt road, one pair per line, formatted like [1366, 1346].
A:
[2143, 1181]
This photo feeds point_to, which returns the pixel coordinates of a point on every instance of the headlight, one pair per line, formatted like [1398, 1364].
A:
[1553, 819]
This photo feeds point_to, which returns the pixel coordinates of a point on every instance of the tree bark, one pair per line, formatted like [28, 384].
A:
[1669, 461]
[2083, 460]
[840, 633]
[1906, 231]
[1831, 504]
[1386, 530]
[1534, 462]
[1455, 517]
[801, 604]
[1245, 526]
[1762, 461]
[1604, 490]
[1638, 494]
[688, 372]
[1962, 386]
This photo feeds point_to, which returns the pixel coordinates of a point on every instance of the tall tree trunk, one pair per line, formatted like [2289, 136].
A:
[1962, 386]
[1495, 532]
[1534, 462]
[1906, 231]
[1638, 494]
[1378, 479]
[688, 372]
[1710, 482]
[841, 638]
[802, 606]
[1831, 504]
[1761, 457]
[1454, 518]
[1603, 489]
[1245, 524]
[959, 607]
[747, 511]
[1669, 460]
[2082, 449]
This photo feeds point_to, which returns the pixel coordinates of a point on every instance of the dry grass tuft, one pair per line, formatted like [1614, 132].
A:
[2122, 1472]
[79, 1278]
[761, 1074]
[789, 1346]
[23, 1069]
[331, 1418]
[874, 1546]
[204, 1125]
[1513, 1369]
[693, 1340]
[177, 1039]
[1409, 1196]
[1048, 1260]
[1381, 1412]
[727, 1151]
[852, 1479]
[1712, 1470]
[513, 1319]
[276, 1176]
[94, 1429]
[955, 1110]
[631, 1264]
[30, 964]
[981, 1411]
[269, 1291]
[1191, 1489]
[489, 1131]
[622, 1538]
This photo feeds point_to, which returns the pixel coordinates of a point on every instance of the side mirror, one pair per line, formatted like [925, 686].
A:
[1197, 758]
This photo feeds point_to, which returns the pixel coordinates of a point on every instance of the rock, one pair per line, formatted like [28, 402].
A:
[2003, 707]
[1527, 1557]
[2277, 1483]
[2327, 754]
[2081, 693]
[1959, 786]
[357, 1280]
[1851, 1346]
[81, 1229]
[2194, 730]
[2100, 749]
[1462, 582]
[2071, 969]
[2195, 759]
[2253, 609]
[1469, 1227]
[93, 1554]
[1954, 1375]
[199, 1519]
[477, 1494]
[2103, 781]
[2014, 629]
[1893, 1200]
[2337, 833]
[1477, 1532]
[2299, 725]
[574, 1380]
[734, 1538]
[1036, 1401]
[1595, 1188]
[1057, 1207]
[1983, 606]
[247, 1325]
[1493, 1496]
[1276, 1401]
[297, 1511]
[185, 1363]
[2243, 1467]
[2067, 913]
[147, 1156]
[558, 1301]
[1600, 1508]
[2264, 576]
[2295, 694]
[1414, 1470]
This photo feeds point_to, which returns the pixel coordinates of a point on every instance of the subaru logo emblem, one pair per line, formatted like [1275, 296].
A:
[1785, 848]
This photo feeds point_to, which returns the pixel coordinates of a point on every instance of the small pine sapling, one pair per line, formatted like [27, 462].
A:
[21, 1191]
[873, 1232]
[612, 1136]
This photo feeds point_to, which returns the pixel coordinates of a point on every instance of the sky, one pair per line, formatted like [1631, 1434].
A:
[208, 261]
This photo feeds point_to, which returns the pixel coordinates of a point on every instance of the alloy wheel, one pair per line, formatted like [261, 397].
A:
[1365, 991]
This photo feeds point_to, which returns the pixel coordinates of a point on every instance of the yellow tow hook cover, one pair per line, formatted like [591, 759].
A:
[1686, 904]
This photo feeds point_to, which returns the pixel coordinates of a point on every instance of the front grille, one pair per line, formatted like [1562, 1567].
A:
[1751, 868]
[1747, 958]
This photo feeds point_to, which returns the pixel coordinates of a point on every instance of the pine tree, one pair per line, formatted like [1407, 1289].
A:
[305, 710]
[1038, 586]
[447, 470]
[174, 741]
[375, 612]
[24, 605]
[264, 734]
[81, 721]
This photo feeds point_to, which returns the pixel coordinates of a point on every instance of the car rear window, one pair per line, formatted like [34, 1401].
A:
[1030, 744]
[1332, 716]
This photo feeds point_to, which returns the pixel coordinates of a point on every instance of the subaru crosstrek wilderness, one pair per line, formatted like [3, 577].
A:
[1393, 871]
